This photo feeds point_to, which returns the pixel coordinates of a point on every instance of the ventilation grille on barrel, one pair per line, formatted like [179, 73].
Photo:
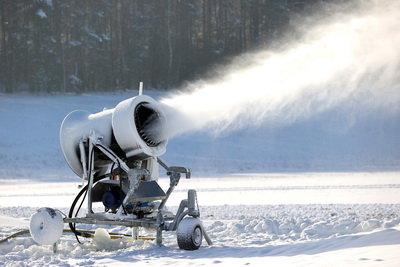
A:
[149, 124]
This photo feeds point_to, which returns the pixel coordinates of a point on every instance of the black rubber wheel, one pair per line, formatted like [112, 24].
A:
[189, 234]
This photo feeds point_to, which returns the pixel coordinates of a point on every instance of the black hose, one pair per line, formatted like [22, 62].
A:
[71, 212]
[84, 190]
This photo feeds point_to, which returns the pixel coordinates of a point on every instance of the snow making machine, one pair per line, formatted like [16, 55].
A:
[116, 153]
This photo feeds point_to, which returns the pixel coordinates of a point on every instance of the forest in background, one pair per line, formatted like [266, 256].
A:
[76, 46]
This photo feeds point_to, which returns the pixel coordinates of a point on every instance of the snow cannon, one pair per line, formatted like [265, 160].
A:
[132, 130]
[117, 153]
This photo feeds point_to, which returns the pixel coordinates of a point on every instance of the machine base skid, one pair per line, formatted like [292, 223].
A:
[146, 223]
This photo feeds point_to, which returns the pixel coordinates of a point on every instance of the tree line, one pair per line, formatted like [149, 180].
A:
[100, 45]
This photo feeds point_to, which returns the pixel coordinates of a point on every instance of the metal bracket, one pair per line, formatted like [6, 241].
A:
[174, 173]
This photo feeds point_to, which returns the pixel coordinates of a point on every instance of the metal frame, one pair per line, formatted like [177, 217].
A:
[162, 222]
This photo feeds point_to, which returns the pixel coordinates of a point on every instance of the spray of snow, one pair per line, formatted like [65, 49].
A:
[350, 62]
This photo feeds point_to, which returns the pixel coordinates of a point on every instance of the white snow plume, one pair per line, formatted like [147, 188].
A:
[351, 62]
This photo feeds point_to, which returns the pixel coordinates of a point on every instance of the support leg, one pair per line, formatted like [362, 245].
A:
[159, 228]
[159, 236]
[135, 233]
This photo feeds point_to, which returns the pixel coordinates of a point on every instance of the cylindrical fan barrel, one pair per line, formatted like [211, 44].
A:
[134, 128]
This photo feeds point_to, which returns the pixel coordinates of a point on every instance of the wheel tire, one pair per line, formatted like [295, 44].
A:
[189, 234]
[46, 226]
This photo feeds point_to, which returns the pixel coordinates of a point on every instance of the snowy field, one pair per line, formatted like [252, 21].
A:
[347, 213]
[317, 219]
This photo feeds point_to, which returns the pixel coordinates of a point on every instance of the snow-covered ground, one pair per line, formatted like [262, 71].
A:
[261, 200]
[322, 219]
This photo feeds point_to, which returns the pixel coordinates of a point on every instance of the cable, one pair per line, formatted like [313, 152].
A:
[71, 211]
[85, 190]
